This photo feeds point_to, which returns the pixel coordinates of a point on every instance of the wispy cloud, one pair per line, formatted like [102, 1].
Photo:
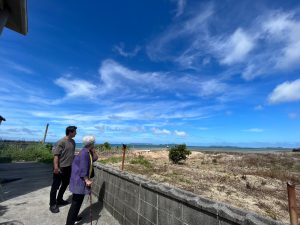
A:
[267, 43]
[114, 75]
[180, 133]
[254, 130]
[120, 49]
[285, 92]
[12, 65]
[180, 5]
[161, 131]
[258, 107]
[236, 48]
[293, 115]
[76, 87]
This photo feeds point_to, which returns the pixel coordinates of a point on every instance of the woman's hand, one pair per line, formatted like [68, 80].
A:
[88, 182]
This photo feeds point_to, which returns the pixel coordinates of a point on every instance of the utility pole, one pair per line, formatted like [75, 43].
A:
[123, 158]
[45, 135]
[292, 203]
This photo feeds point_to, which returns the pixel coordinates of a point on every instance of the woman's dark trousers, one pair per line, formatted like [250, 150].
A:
[61, 179]
[74, 209]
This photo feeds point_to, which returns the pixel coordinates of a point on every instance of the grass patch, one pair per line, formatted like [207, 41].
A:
[113, 159]
[19, 152]
[142, 161]
[297, 167]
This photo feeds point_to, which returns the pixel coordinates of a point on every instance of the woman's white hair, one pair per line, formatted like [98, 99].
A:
[88, 140]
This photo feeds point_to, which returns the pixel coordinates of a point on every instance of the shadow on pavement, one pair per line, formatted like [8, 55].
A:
[22, 178]
[96, 207]
[3, 209]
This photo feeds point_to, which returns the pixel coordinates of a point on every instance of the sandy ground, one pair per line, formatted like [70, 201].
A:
[252, 181]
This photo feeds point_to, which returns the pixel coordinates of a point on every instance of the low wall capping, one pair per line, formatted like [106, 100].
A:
[221, 212]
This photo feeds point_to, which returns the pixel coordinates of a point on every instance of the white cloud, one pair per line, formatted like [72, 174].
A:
[285, 92]
[293, 115]
[180, 6]
[115, 76]
[15, 66]
[161, 131]
[77, 87]
[284, 28]
[194, 29]
[255, 130]
[120, 50]
[258, 107]
[266, 43]
[236, 48]
[180, 133]
[202, 128]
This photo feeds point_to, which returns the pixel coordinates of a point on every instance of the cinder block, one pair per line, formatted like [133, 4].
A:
[166, 219]
[148, 196]
[109, 208]
[171, 206]
[118, 217]
[132, 200]
[131, 215]
[109, 187]
[192, 216]
[132, 188]
[222, 222]
[144, 221]
[113, 178]
[127, 222]
[105, 176]
[148, 211]
[109, 198]
[119, 206]
[119, 193]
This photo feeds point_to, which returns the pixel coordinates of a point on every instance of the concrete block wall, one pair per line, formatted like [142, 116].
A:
[133, 200]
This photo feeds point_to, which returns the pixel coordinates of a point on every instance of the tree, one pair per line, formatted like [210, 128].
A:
[106, 146]
[178, 153]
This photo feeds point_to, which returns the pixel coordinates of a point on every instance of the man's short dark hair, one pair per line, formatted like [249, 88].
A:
[70, 129]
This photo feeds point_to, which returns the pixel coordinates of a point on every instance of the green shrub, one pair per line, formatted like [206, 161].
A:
[31, 152]
[178, 153]
[142, 161]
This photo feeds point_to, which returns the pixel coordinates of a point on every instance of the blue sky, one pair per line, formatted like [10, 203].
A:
[163, 71]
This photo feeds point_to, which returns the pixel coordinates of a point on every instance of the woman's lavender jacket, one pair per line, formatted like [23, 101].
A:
[80, 169]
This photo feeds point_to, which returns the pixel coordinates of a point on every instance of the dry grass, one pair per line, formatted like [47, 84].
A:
[255, 182]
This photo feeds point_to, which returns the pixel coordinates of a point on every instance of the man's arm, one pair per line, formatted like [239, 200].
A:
[55, 164]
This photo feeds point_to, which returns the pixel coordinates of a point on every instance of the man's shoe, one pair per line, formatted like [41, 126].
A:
[54, 209]
[62, 202]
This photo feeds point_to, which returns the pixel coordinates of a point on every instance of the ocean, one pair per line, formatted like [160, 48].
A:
[153, 147]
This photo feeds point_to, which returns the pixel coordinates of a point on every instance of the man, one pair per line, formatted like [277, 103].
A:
[63, 158]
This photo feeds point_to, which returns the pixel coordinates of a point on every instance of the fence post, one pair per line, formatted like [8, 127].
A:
[45, 133]
[124, 149]
[292, 203]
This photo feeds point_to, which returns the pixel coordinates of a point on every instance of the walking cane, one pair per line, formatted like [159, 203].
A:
[91, 216]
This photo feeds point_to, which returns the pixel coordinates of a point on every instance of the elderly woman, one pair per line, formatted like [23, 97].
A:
[80, 182]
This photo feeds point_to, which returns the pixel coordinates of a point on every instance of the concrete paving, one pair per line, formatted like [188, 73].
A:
[24, 198]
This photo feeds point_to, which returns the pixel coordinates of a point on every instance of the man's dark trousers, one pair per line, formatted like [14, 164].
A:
[61, 179]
